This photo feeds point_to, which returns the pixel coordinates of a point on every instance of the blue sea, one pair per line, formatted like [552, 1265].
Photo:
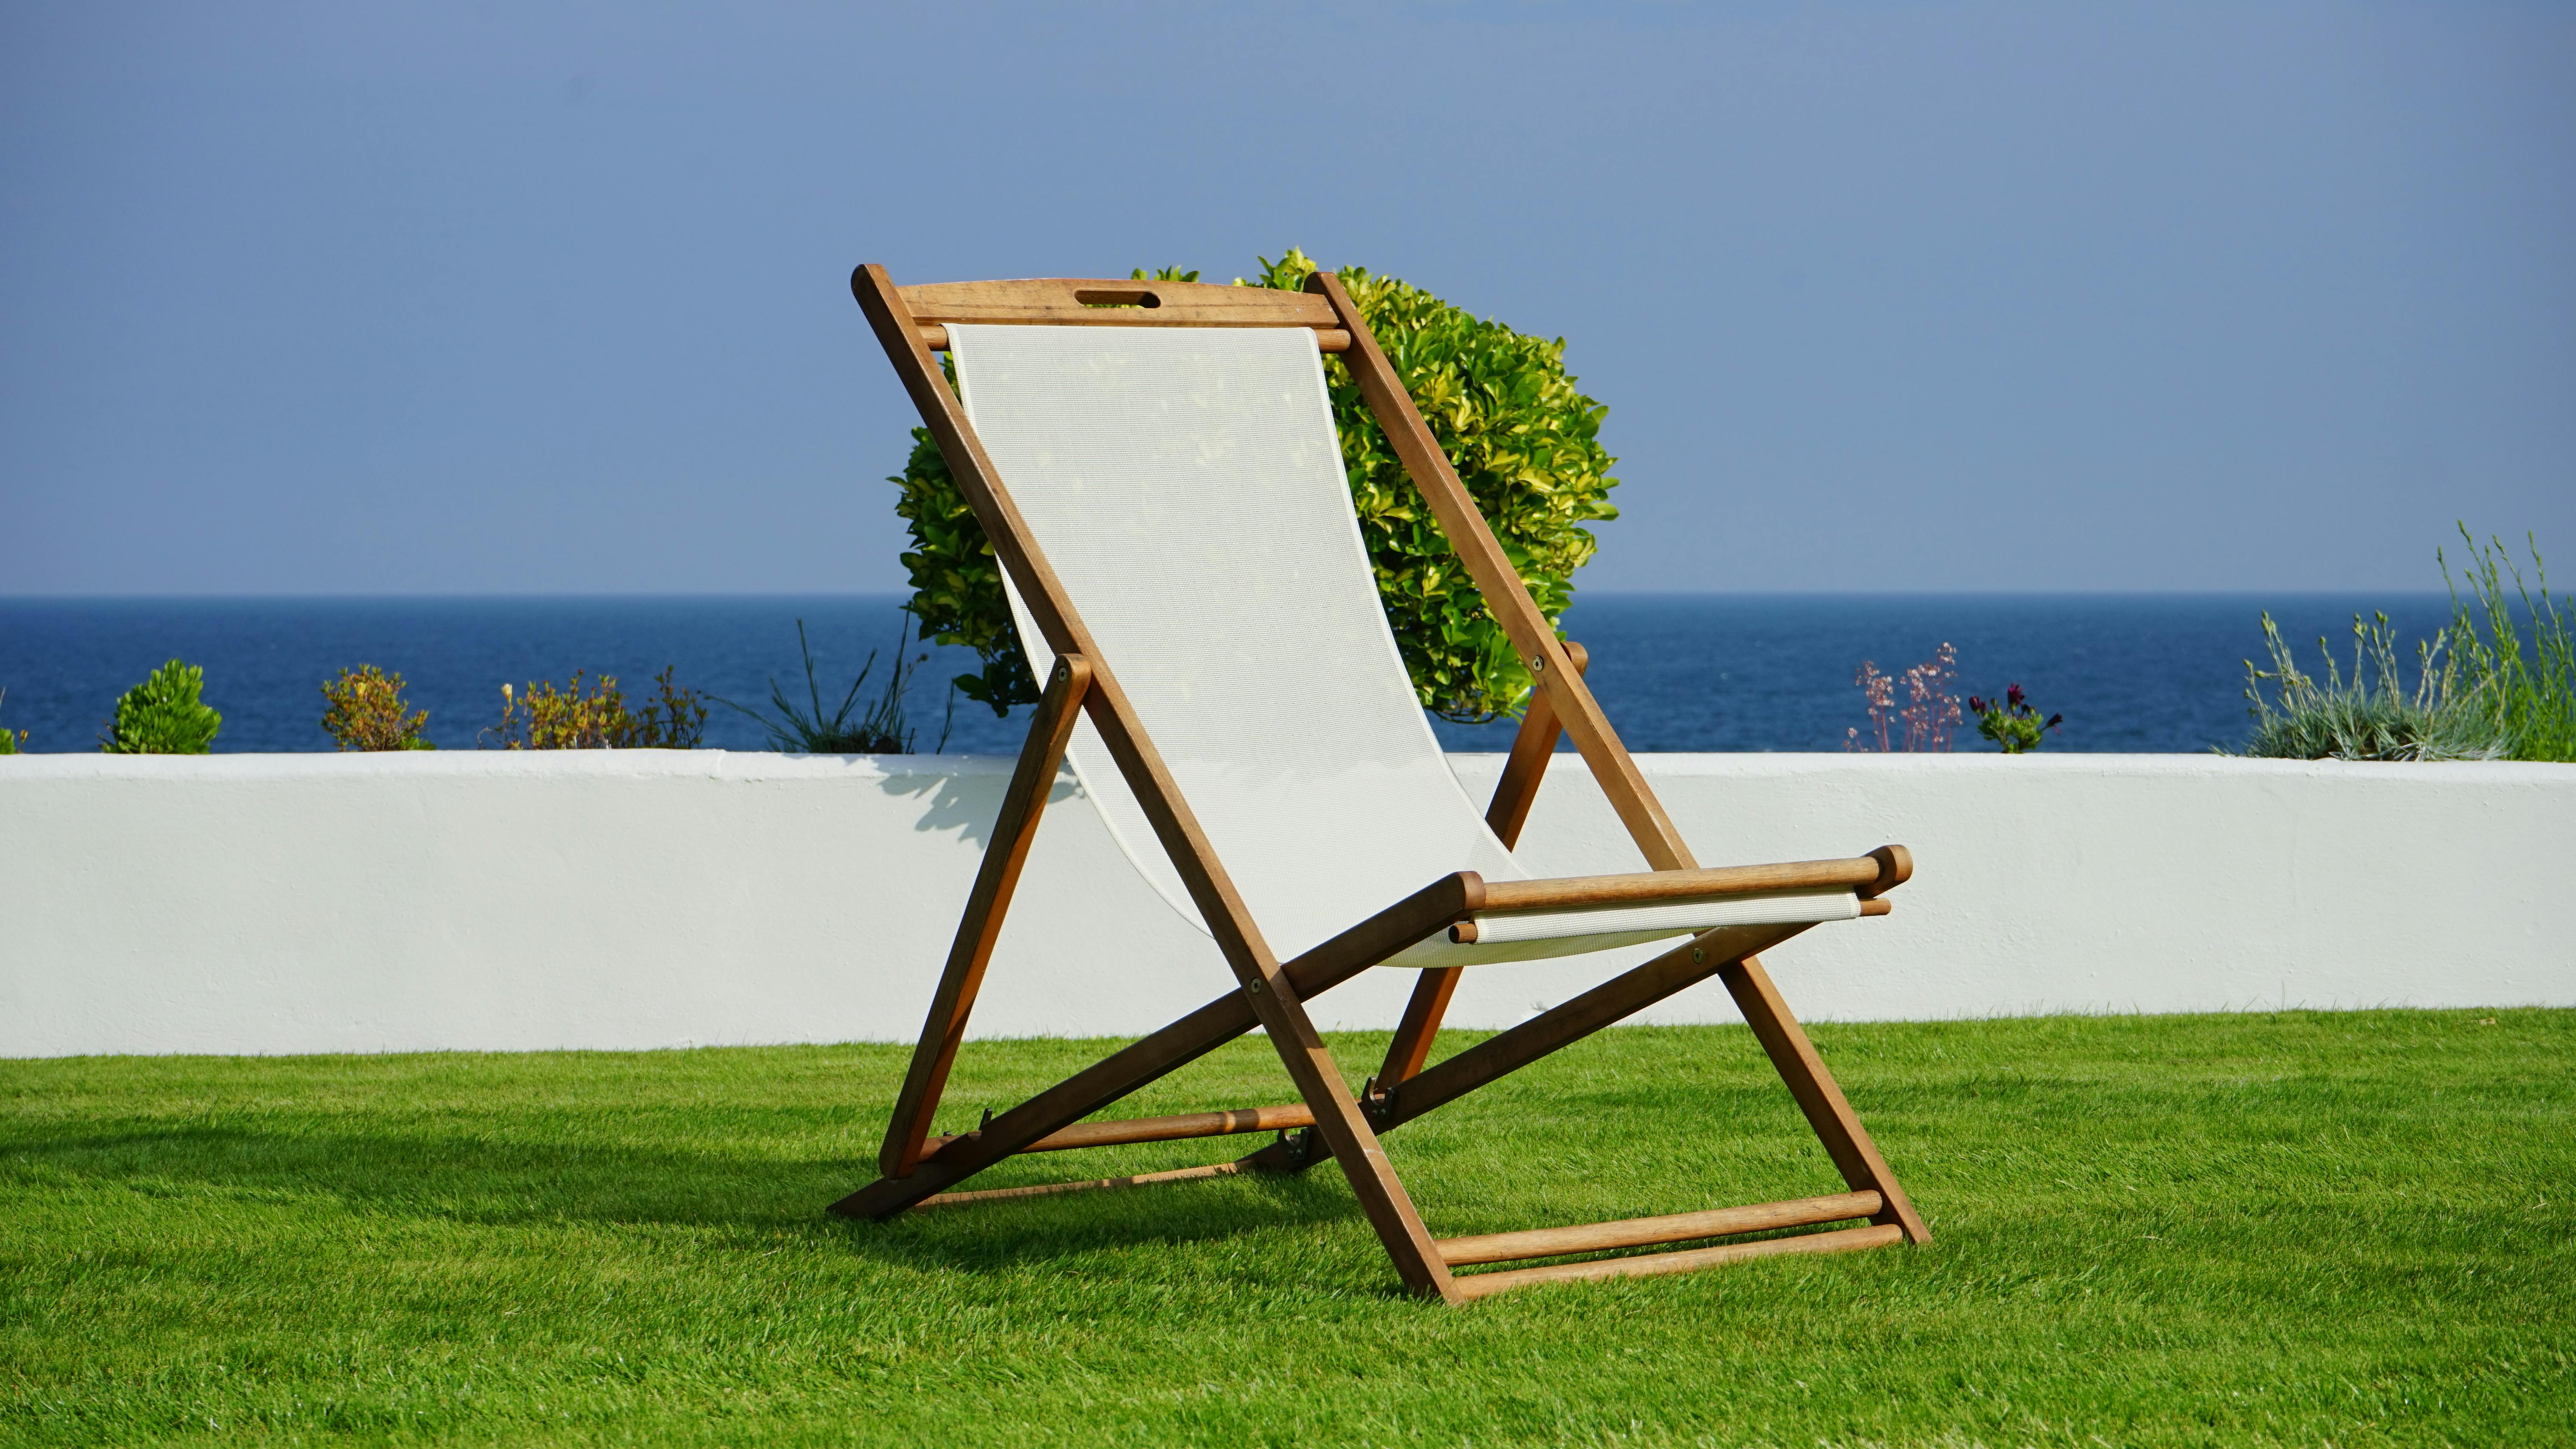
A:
[1727, 672]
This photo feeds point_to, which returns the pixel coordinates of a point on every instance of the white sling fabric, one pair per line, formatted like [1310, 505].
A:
[1186, 485]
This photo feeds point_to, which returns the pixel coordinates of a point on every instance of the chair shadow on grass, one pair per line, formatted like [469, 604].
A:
[466, 1178]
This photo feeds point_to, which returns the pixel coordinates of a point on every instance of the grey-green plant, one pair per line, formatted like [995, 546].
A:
[2449, 715]
[880, 729]
[1524, 439]
[163, 715]
[2534, 688]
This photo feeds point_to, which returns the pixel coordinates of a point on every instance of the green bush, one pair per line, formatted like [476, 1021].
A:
[10, 740]
[364, 710]
[547, 718]
[2535, 693]
[163, 715]
[1523, 438]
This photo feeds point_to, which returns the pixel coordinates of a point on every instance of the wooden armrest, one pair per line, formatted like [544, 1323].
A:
[1866, 876]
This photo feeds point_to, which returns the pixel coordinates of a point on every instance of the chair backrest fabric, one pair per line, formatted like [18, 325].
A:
[1186, 485]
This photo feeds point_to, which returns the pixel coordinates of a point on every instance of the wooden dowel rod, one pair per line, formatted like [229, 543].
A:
[1672, 1228]
[1678, 885]
[1096, 1184]
[1162, 1129]
[1689, 1260]
[934, 335]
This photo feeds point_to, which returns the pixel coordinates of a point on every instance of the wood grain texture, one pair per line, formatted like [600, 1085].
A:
[1689, 1260]
[1671, 1228]
[1114, 302]
[1647, 887]
[1836, 1125]
[1327, 339]
[1177, 1128]
[996, 878]
[1895, 868]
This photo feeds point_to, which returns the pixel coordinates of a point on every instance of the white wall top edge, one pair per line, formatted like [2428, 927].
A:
[765, 765]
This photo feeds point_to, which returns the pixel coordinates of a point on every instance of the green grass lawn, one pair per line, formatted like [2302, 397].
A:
[2300, 1228]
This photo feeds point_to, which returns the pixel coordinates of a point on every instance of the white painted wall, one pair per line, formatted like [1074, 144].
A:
[301, 903]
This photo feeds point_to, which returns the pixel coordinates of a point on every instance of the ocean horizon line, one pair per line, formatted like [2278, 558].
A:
[772, 595]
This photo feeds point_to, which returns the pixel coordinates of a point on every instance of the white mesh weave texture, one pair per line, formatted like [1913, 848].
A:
[1777, 908]
[1186, 484]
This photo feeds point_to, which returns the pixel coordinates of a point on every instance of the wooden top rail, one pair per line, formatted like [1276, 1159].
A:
[1105, 302]
[1880, 870]
[1327, 339]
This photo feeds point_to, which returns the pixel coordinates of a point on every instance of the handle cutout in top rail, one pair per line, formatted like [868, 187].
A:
[1127, 301]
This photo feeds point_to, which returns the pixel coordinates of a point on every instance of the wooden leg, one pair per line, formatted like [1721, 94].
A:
[1353, 1143]
[1523, 773]
[1411, 1046]
[1059, 709]
[1175, 1046]
[1836, 1125]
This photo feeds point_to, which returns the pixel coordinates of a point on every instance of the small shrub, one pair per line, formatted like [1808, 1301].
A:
[2534, 694]
[2011, 721]
[1930, 709]
[364, 711]
[11, 741]
[879, 730]
[1524, 439]
[2444, 718]
[546, 718]
[163, 715]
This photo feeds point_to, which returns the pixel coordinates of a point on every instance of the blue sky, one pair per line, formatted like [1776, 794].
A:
[529, 298]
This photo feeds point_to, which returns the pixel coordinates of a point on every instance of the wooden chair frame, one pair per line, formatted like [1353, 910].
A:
[920, 1171]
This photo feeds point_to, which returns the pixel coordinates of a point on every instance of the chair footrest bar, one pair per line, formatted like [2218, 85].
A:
[1158, 1129]
[1097, 1184]
[1674, 1228]
[1689, 1260]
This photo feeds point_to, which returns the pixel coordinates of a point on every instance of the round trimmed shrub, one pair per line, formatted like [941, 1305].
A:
[1524, 439]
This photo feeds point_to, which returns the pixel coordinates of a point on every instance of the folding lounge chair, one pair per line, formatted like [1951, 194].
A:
[1157, 468]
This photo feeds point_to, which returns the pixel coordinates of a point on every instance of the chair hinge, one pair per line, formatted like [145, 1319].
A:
[1376, 1103]
[1297, 1148]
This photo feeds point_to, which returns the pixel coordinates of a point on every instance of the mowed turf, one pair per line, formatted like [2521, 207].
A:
[2297, 1228]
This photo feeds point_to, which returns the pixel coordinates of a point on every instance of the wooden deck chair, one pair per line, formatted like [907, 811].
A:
[1162, 484]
